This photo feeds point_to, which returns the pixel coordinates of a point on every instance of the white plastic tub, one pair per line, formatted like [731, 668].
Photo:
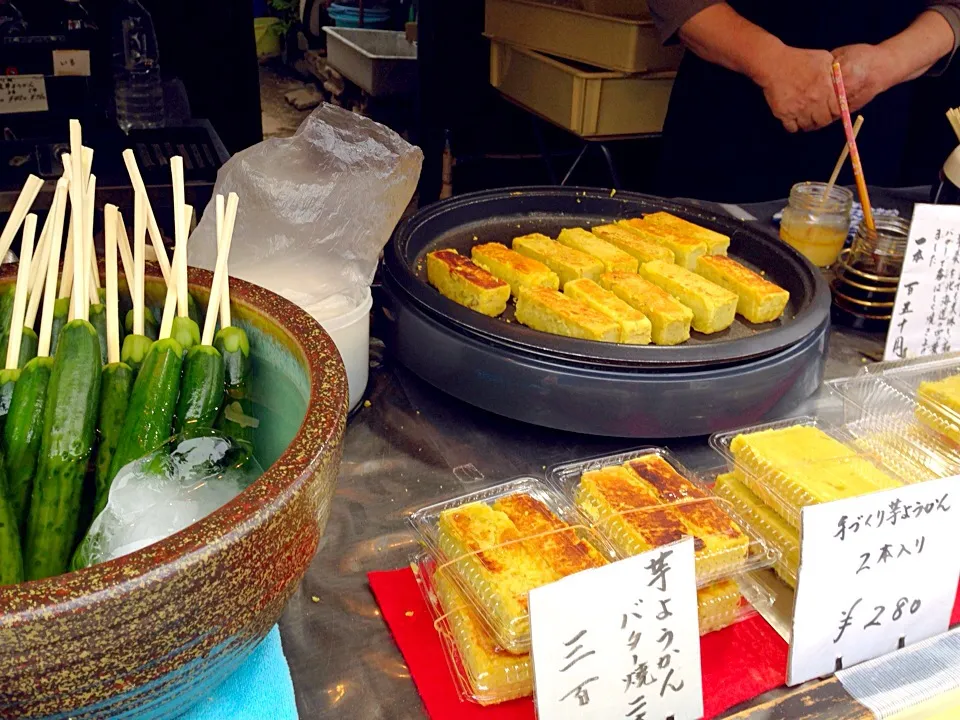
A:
[350, 331]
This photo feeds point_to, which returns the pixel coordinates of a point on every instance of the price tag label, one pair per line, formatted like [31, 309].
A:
[22, 94]
[620, 641]
[877, 572]
[71, 62]
[925, 309]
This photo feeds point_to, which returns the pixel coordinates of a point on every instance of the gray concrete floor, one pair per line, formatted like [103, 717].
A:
[280, 118]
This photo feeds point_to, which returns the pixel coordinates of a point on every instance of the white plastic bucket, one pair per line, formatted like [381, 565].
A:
[351, 334]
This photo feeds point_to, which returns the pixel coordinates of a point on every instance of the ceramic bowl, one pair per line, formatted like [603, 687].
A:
[147, 635]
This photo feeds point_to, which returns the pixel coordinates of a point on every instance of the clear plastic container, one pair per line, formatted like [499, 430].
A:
[672, 502]
[813, 465]
[485, 674]
[935, 386]
[482, 672]
[775, 532]
[537, 537]
[885, 421]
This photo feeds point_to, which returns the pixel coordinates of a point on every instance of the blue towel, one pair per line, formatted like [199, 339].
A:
[260, 689]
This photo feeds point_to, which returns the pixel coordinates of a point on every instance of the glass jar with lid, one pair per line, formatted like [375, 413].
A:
[816, 222]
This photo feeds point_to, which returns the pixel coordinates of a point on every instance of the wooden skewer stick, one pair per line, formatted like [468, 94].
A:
[156, 238]
[220, 272]
[169, 307]
[180, 230]
[843, 158]
[53, 265]
[92, 281]
[20, 297]
[77, 188]
[20, 209]
[110, 258]
[40, 251]
[953, 115]
[86, 161]
[38, 264]
[126, 257]
[178, 276]
[66, 282]
[82, 250]
[139, 250]
[183, 301]
[225, 296]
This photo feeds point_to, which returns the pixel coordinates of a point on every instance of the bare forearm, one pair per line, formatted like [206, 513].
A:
[915, 50]
[719, 34]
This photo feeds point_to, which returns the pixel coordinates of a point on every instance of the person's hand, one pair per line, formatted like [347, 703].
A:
[798, 86]
[867, 71]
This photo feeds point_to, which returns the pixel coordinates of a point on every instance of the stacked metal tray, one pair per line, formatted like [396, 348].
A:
[708, 384]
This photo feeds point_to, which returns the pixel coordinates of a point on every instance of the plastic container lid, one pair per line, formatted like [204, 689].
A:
[899, 431]
[806, 467]
[523, 530]
[935, 386]
[668, 503]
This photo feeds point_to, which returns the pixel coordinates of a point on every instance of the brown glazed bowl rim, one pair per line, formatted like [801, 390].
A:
[322, 423]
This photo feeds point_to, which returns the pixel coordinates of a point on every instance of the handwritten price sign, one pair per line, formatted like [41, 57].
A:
[877, 572]
[620, 641]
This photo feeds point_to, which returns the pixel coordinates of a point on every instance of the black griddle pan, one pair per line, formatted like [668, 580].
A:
[501, 215]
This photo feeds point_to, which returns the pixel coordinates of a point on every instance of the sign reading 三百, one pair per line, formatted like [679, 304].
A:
[924, 319]
[22, 94]
[620, 641]
[877, 572]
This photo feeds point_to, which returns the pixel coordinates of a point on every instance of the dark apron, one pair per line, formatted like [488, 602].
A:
[722, 143]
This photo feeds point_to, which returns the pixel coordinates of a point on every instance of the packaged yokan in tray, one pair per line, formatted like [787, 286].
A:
[482, 671]
[790, 464]
[646, 498]
[486, 673]
[500, 543]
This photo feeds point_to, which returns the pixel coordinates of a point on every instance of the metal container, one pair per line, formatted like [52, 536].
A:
[381, 62]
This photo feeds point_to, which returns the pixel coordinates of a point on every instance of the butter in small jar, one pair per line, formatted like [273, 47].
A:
[815, 222]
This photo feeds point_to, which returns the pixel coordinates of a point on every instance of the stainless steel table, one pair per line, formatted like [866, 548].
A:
[411, 446]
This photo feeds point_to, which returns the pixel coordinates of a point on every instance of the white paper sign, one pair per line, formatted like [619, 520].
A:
[877, 572]
[924, 320]
[22, 94]
[71, 62]
[620, 641]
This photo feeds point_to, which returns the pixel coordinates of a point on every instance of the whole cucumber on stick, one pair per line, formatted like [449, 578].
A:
[11, 557]
[138, 340]
[61, 310]
[11, 560]
[201, 390]
[153, 401]
[236, 416]
[23, 431]
[70, 413]
[117, 377]
[11, 373]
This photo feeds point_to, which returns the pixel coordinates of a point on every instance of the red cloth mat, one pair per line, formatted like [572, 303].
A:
[739, 662]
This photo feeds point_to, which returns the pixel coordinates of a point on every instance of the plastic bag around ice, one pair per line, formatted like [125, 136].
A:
[178, 484]
[315, 209]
